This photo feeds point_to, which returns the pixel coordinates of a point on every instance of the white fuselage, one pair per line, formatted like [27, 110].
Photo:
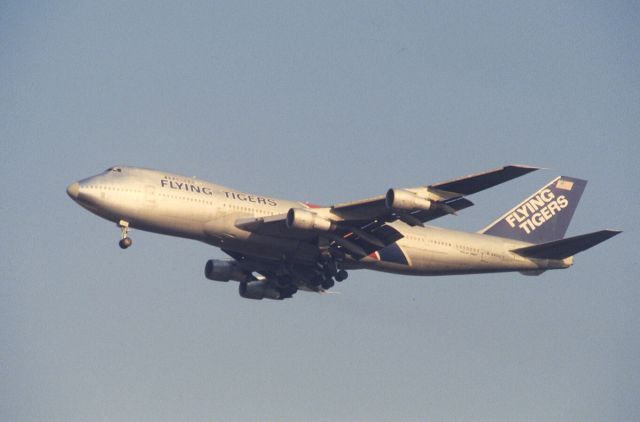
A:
[174, 205]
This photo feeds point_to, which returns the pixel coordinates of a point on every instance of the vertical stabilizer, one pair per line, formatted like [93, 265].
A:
[542, 217]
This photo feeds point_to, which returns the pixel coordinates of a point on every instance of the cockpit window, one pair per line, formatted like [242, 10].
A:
[114, 169]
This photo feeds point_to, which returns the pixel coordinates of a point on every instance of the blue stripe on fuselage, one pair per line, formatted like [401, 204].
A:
[393, 253]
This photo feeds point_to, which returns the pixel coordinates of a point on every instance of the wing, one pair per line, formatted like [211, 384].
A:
[355, 229]
[360, 228]
[432, 201]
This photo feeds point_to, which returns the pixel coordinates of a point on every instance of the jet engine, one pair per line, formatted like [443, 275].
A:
[404, 200]
[258, 290]
[225, 270]
[306, 220]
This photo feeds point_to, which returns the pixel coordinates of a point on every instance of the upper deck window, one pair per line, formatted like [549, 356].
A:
[114, 169]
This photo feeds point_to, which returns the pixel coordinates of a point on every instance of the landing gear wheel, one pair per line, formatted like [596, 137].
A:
[327, 284]
[125, 243]
[341, 276]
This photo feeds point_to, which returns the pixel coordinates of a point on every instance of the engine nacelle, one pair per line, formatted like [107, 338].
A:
[404, 200]
[258, 290]
[301, 219]
[224, 270]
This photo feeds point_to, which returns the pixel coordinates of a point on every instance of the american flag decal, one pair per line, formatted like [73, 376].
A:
[564, 184]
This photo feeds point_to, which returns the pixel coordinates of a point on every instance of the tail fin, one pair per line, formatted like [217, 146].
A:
[543, 216]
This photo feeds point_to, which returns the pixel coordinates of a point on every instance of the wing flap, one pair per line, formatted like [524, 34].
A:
[376, 236]
[457, 204]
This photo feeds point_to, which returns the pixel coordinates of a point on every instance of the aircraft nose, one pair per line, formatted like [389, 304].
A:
[73, 190]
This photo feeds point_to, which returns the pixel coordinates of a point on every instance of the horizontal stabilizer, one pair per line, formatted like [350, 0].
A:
[564, 248]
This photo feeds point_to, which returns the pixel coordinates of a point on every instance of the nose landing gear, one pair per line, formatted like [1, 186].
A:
[125, 240]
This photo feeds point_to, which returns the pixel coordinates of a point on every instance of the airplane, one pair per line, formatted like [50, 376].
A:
[278, 247]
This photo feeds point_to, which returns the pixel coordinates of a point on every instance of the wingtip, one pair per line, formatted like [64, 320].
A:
[526, 167]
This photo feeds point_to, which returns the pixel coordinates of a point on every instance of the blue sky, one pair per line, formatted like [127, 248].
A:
[322, 102]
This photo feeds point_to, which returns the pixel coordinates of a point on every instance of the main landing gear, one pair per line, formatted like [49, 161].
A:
[125, 240]
[328, 272]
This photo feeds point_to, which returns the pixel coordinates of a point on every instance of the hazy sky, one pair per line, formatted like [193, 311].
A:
[324, 102]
